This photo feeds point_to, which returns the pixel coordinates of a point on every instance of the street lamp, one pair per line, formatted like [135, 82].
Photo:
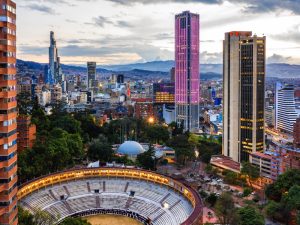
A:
[151, 120]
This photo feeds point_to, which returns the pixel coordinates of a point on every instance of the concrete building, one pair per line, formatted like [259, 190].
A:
[56, 93]
[92, 71]
[169, 113]
[270, 116]
[26, 132]
[43, 94]
[172, 74]
[164, 93]
[8, 115]
[187, 78]
[297, 133]
[263, 162]
[285, 110]
[143, 108]
[243, 106]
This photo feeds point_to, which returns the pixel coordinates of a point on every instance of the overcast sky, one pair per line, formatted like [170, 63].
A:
[126, 31]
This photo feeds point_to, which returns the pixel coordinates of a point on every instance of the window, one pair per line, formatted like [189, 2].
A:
[7, 30]
[9, 8]
[7, 19]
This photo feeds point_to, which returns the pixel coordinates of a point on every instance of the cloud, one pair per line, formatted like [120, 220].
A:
[122, 23]
[131, 2]
[41, 8]
[249, 6]
[279, 59]
[291, 35]
[100, 21]
[211, 57]
[262, 6]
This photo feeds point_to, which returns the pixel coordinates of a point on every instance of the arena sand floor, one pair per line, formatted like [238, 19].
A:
[111, 220]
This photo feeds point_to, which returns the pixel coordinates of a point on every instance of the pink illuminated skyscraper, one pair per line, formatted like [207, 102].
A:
[187, 80]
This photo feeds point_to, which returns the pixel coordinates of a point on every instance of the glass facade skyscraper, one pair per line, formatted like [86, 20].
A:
[187, 70]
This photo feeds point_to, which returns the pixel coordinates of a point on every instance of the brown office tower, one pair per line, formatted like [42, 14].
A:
[243, 94]
[297, 133]
[8, 114]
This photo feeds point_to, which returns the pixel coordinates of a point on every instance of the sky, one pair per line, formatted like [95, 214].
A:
[129, 31]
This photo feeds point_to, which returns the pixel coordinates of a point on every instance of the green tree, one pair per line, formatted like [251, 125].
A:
[75, 221]
[183, 149]
[43, 218]
[230, 177]
[67, 123]
[157, 133]
[100, 149]
[147, 159]
[211, 199]
[225, 210]
[251, 171]
[282, 184]
[250, 216]
[25, 103]
[24, 217]
[246, 192]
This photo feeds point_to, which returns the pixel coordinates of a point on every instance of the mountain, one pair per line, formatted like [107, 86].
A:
[161, 68]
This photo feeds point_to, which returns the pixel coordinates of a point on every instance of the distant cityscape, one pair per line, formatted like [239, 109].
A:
[155, 143]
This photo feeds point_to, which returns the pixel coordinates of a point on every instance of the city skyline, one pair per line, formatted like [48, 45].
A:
[113, 32]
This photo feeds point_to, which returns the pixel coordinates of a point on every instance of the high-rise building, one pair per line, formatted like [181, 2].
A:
[120, 79]
[297, 133]
[55, 74]
[243, 107]
[172, 74]
[285, 107]
[52, 59]
[163, 93]
[8, 118]
[187, 70]
[91, 69]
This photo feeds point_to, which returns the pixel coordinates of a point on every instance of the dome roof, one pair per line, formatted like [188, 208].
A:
[130, 148]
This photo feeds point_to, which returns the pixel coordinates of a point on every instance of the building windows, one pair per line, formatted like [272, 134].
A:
[7, 42]
[7, 30]
[9, 8]
[7, 123]
[8, 65]
[8, 88]
[7, 19]
[7, 157]
[9, 145]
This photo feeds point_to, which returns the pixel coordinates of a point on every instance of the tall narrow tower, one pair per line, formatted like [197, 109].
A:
[8, 114]
[244, 83]
[52, 58]
[187, 70]
[91, 70]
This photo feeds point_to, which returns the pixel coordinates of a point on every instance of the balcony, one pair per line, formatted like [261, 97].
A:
[8, 105]
[8, 139]
[7, 48]
[4, 175]
[9, 150]
[8, 60]
[8, 83]
[9, 116]
[10, 195]
[9, 162]
[7, 129]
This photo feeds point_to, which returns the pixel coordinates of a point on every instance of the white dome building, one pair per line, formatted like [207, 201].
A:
[131, 149]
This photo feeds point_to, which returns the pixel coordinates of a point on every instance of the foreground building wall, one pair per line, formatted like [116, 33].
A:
[8, 114]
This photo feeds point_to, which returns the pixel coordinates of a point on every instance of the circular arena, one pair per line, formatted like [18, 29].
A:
[145, 196]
